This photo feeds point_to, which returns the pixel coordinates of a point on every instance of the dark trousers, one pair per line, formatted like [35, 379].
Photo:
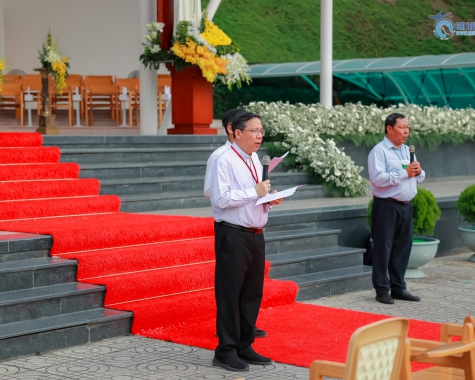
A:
[239, 282]
[391, 230]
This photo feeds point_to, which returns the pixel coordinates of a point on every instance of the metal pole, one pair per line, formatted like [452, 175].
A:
[326, 52]
[148, 78]
[212, 8]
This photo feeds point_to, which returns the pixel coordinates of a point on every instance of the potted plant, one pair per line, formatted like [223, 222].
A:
[426, 212]
[466, 207]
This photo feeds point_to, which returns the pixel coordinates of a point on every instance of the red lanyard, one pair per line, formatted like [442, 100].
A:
[256, 178]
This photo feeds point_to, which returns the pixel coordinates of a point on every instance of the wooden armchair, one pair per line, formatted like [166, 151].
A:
[376, 351]
[12, 97]
[453, 360]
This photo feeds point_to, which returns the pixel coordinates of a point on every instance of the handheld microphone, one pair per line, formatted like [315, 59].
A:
[412, 150]
[265, 168]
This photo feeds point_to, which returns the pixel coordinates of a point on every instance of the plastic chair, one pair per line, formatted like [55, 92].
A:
[12, 97]
[376, 351]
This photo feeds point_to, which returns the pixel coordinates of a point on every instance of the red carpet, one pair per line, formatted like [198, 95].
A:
[159, 267]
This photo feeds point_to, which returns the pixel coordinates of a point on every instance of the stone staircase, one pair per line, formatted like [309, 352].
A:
[156, 173]
[42, 307]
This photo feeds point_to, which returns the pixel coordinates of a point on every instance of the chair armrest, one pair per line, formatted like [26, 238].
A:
[320, 368]
[448, 330]
[443, 350]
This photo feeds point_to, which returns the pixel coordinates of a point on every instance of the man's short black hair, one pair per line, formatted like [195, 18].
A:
[240, 121]
[391, 120]
[229, 116]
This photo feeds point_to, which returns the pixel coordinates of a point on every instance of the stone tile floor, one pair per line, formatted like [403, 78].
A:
[447, 294]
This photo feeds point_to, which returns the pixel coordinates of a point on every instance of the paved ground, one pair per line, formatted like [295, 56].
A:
[446, 291]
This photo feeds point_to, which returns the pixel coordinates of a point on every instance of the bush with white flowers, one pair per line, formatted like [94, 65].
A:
[310, 132]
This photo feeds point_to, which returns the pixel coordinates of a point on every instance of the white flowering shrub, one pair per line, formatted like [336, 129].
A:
[310, 132]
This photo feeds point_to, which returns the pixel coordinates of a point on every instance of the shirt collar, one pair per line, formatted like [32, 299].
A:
[388, 144]
[228, 144]
[241, 152]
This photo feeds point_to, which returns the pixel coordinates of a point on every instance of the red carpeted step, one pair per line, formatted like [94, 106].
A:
[38, 171]
[15, 139]
[82, 233]
[130, 259]
[31, 155]
[37, 208]
[48, 188]
[182, 309]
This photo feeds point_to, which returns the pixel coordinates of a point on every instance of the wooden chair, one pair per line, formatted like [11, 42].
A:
[453, 360]
[450, 330]
[102, 97]
[12, 97]
[375, 351]
[132, 85]
[32, 83]
[11, 78]
[63, 101]
[96, 80]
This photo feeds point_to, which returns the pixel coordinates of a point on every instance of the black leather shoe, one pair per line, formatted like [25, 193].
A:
[404, 295]
[232, 363]
[385, 298]
[260, 333]
[252, 357]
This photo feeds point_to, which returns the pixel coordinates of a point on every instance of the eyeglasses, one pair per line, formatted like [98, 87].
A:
[255, 131]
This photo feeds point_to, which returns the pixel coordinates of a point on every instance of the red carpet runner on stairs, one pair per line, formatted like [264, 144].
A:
[159, 267]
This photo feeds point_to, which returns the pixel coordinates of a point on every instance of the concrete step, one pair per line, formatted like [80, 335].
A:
[161, 185]
[314, 260]
[134, 155]
[285, 242]
[22, 246]
[332, 282]
[61, 331]
[46, 301]
[35, 273]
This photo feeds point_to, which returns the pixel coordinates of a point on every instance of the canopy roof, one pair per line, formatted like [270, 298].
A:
[443, 80]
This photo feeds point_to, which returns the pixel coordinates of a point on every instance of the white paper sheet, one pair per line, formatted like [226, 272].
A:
[278, 195]
[275, 161]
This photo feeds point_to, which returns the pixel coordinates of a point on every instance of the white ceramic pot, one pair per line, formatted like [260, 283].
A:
[423, 250]
[467, 234]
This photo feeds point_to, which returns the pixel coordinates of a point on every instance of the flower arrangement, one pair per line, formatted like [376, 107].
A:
[311, 131]
[205, 46]
[3, 66]
[52, 61]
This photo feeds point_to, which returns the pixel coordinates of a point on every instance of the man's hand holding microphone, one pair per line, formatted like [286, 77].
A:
[263, 188]
[414, 168]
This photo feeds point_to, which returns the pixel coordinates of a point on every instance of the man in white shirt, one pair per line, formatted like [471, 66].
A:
[236, 185]
[226, 120]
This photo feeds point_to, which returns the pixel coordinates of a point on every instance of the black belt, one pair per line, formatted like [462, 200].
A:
[242, 228]
[402, 203]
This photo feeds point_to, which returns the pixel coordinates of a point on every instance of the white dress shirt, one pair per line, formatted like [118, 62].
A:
[209, 164]
[233, 196]
[386, 174]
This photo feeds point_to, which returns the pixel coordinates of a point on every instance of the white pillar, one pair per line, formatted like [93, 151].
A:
[148, 78]
[212, 8]
[326, 52]
[2, 31]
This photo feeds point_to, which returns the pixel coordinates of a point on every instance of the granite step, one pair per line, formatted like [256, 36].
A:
[35, 273]
[46, 301]
[23, 246]
[332, 282]
[61, 331]
[285, 242]
[314, 260]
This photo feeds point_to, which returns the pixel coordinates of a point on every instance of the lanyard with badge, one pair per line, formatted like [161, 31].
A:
[255, 177]
[404, 161]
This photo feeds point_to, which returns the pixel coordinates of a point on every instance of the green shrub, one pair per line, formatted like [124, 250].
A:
[426, 212]
[466, 204]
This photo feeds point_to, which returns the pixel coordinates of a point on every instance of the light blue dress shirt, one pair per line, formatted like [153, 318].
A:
[386, 174]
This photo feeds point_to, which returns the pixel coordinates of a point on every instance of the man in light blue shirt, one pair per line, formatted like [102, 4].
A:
[394, 182]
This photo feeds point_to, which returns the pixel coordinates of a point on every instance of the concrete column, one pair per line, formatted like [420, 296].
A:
[148, 78]
[326, 52]
[2, 31]
[212, 8]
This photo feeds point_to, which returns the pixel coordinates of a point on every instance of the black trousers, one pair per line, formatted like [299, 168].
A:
[239, 282]
[391, 230]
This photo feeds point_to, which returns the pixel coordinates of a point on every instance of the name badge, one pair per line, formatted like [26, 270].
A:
[405, 163]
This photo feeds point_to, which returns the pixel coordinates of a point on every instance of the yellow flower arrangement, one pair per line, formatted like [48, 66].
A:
[3, 66]
[208, 62]
[213, 35]
[56, 65]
